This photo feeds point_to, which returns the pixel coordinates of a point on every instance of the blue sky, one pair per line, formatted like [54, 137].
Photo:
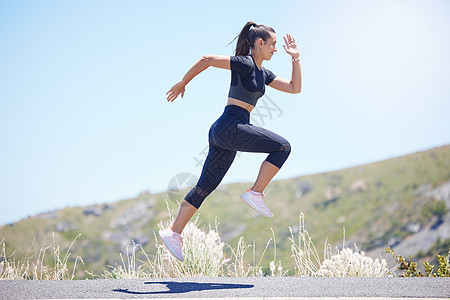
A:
[83, 115]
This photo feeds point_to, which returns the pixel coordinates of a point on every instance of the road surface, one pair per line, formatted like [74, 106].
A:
[219, 287]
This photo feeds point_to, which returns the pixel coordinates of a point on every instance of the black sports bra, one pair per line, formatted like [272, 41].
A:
[248, 83]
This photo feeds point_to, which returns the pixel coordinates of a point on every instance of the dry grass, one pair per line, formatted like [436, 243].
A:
[347, 263]
[304, 253]
[205, 256]
[35, 267]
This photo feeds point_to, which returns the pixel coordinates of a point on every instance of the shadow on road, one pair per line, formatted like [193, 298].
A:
[185, 287]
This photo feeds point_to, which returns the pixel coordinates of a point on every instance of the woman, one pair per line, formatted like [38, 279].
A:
[232, 131]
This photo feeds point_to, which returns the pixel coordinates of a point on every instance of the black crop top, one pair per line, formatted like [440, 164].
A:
[248, 83]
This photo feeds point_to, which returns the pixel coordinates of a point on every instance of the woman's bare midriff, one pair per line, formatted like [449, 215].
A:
[232, 101]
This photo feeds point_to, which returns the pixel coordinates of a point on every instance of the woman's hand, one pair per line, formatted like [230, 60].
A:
[293, 86]
[174, 91]
[218, 61]
[291, 46]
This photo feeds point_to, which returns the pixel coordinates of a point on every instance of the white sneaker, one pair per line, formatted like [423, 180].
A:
[173, 242]
[257, 203]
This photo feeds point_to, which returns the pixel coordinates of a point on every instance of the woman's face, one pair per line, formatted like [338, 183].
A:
[268, 48]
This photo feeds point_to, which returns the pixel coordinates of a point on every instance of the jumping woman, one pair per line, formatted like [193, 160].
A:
[233, 132]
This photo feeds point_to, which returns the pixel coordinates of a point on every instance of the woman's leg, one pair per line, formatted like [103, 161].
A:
[214, 169]
[262, 140]
[185, 213]
[266, 173]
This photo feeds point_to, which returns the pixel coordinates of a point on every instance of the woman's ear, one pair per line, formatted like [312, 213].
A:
[260, 42]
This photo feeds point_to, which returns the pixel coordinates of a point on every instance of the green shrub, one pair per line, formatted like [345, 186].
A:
[411, 269]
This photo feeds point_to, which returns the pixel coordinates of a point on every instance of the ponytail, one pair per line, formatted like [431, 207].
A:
[248, 37]
[243, 45]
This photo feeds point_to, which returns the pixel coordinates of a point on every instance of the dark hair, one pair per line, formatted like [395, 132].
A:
[248, 36]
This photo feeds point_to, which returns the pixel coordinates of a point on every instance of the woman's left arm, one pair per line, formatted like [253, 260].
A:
[295, 85]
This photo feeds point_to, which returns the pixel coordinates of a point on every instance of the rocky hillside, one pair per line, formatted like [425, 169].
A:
[401, 202]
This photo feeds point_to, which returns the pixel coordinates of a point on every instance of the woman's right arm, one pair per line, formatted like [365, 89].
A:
[218, 61]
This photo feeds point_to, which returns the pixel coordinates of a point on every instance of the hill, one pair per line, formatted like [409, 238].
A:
[401, 202]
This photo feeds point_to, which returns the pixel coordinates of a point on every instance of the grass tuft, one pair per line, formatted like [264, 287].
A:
[36, 266]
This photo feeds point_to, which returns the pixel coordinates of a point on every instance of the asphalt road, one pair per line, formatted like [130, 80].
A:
[207, 287]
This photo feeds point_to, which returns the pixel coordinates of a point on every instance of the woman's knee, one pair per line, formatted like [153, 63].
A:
[286, 147]
[278, 158]
[196, 196]
[286, 150]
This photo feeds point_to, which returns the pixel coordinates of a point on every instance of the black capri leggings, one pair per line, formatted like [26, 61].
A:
[230, 133]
